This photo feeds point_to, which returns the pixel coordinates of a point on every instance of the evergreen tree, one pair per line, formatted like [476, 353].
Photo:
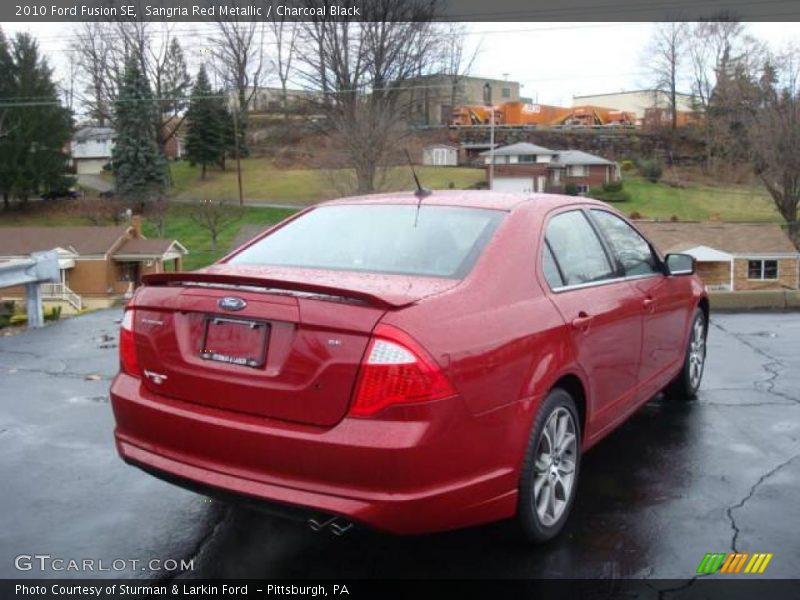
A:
[32, 136]
[205, 140]
[139, 167]
[6, 86]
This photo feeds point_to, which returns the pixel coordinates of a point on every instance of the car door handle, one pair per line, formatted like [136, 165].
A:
[582, 321]
[649, 304]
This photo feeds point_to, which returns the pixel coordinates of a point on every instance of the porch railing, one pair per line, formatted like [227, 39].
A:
[60, 291]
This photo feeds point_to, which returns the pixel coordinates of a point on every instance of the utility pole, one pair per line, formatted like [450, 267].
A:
[236, 152]
[487, 98]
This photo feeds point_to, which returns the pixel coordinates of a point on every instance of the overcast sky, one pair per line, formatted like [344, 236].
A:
[552, 61]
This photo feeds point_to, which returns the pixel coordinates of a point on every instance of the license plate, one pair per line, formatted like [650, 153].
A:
[235, 341]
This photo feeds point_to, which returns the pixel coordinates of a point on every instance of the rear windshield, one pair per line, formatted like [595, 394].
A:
[442, 241]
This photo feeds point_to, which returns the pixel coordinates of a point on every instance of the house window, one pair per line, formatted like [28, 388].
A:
[506, 92]
[527, 158]
[126, 271]
[763, 270]
[578, 171]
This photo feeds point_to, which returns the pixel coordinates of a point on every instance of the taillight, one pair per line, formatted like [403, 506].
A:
[396, 370]
[128, 361]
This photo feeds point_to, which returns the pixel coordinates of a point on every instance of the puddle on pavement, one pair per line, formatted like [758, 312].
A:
[88, 400]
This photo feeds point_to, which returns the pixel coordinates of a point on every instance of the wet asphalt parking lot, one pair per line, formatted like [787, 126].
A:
[718, 474]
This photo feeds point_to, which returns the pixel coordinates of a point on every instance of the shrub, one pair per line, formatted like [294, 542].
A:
[627, 165]
[571, 189]
[635, 215]
[650, 169]
[610, 192]
[54, 314]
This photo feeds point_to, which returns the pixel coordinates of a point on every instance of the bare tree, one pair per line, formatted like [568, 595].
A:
[664, 58]
[100, 60]
[774, 135]
[213, 216]
[716, 48]
[238, 59]
[457, 60]
[362, 71]
[285, 35]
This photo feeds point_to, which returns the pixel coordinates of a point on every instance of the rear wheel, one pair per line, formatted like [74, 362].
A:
[550, 470]
[686, 384]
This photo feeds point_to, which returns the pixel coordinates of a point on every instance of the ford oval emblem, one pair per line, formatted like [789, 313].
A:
[232, 303]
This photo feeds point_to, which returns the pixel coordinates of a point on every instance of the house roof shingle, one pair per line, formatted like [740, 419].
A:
[143, 247]
[520, 148]
[83, 240]
[93, 133]
[578, 157]
[732, 238]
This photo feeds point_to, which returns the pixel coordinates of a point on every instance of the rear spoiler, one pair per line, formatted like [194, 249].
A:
[210, 279]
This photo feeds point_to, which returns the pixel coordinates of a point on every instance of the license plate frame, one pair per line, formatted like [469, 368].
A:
[253, 362]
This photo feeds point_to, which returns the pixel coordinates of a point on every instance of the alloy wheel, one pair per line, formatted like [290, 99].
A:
[697, 353]
[554, 469]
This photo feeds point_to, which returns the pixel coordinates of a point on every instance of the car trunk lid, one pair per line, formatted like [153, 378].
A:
[268, 343]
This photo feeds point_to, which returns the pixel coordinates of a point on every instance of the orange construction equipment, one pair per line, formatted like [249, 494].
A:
[591, 116]
[468, 115]
[521, 113]
[516, 114]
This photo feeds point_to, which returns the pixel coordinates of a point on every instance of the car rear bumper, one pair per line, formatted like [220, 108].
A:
[424, 473]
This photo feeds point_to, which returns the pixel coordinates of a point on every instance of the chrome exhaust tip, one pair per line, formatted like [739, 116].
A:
[319, 523]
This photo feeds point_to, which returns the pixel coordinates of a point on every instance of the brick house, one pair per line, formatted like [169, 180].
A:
[525, 167]
[99, 265]
[732, 256]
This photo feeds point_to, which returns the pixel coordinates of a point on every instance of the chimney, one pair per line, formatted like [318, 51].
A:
[136, 225]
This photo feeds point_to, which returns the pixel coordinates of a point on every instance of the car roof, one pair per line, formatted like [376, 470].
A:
[469, 199]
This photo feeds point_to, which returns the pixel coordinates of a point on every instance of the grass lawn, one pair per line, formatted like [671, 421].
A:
[197, 240]
[697, 202]
[262, 181]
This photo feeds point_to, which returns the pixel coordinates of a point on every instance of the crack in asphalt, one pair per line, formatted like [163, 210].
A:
[205, 540]
[773, 367]
[750, 494]
[66, 374]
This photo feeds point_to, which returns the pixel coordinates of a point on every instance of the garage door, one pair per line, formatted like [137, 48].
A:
[513, 184]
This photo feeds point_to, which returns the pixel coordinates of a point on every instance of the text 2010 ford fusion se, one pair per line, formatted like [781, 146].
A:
[412, 367]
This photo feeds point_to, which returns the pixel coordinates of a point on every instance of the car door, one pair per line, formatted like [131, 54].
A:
[602, 313]
[663, 299]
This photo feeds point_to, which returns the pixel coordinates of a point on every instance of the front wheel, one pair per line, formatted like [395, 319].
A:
[686, 384]
[550, 470]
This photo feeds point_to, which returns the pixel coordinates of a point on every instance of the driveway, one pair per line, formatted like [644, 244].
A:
[95, 182]
[718, 474]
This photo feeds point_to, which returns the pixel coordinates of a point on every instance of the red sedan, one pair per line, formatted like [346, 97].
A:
[412, 366]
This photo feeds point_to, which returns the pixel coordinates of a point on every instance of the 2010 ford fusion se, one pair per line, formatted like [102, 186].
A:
[409, 365]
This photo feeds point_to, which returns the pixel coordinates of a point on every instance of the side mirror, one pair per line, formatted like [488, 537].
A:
[680, 264]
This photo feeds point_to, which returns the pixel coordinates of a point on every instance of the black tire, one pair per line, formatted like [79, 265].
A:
[687, 382]
[530, 524]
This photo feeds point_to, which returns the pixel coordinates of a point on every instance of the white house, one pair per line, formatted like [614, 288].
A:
[528, 168]
[91, 149]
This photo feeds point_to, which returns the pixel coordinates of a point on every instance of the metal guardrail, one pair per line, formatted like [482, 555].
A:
[41, 267]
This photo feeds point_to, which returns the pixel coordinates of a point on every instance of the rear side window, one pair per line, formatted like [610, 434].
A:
[550, 268]
[441, 241]
[631, 249]
[577, 249]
